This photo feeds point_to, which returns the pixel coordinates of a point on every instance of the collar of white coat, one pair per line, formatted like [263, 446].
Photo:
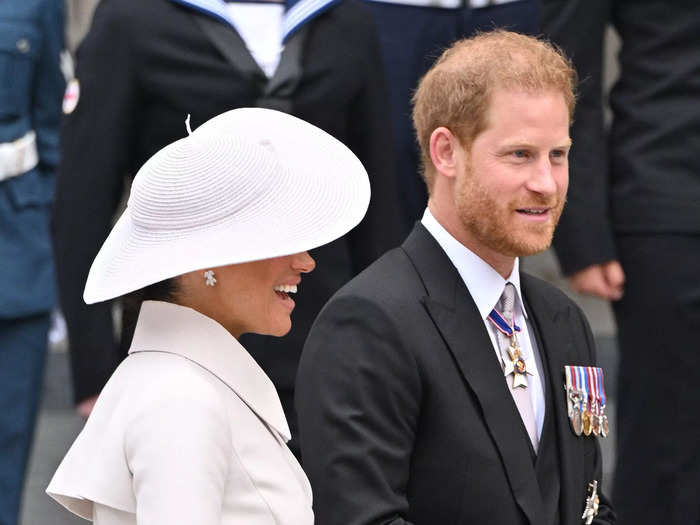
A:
[167, 327]
[485, 284]
[297, 12]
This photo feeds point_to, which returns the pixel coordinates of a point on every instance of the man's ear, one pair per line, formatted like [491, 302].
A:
[444, 147]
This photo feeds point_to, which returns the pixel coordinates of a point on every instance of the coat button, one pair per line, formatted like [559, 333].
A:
[23, 45]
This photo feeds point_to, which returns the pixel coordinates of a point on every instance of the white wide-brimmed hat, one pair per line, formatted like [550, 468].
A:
[249, 184]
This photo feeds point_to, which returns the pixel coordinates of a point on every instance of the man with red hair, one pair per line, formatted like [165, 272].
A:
[430, 387]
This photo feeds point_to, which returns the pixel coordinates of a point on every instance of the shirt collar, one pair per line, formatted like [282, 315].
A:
[485, 284]
[297, 12]
[167, 327]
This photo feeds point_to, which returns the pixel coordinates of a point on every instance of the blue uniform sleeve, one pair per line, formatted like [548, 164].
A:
[49, 85]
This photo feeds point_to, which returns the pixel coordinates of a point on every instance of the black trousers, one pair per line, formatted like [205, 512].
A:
[22, 356]
[657, 476]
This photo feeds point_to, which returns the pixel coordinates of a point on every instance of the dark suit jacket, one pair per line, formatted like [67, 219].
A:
[641, 176]
[404, 414]
[142, 68]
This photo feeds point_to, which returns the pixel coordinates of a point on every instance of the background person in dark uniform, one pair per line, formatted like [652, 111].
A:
[631, 233]
[413, 33]
[141, 69]
[31, 87]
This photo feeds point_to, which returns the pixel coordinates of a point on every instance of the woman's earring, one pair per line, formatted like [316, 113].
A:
[209, 277]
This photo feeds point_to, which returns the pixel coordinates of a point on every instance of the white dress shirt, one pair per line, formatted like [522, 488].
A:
[486, 285]
[260, 27]
[188, 431]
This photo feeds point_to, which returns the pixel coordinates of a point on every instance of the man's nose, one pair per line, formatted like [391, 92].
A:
[542, 179]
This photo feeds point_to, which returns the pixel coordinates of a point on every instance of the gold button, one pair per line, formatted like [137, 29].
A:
[23, 45]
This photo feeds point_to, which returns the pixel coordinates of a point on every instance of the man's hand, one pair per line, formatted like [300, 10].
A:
[85, 407]
[604, 280]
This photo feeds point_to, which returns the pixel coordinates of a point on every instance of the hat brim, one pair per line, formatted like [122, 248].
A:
[322, 195]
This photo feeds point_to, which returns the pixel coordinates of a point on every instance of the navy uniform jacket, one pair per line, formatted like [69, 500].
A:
[642, 176]
[142, 68]
[31, 88]
[413, 34]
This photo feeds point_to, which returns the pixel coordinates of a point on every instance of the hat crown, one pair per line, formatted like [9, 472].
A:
[199, 181]
[246, 185]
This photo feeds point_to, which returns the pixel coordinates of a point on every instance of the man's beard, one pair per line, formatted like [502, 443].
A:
[493, 223]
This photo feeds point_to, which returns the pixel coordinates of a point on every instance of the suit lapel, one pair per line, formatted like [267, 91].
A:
[280, 88]
[288, 73]
[547, 461]
[456, 317]
[554, 330]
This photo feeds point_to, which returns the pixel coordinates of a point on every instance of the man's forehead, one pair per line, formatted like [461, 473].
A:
[511, 95]
[523, 107]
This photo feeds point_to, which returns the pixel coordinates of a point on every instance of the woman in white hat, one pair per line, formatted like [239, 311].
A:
[189, 430]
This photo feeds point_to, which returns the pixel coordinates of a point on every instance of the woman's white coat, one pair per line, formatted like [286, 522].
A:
[188, 430]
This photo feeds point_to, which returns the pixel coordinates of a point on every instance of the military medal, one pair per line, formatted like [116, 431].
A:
[595, 422]
[515, 364]
[582, 385]
[599, 419]
[573, 400]
[581, 372]
[592, 503]
[577, 423]
[586, 419]
[604, 427]
[594, 399]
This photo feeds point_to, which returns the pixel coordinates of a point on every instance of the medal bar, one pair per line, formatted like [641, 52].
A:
[586, 400]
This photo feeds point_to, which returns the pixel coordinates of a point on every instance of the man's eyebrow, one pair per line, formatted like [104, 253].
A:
[567, 143]
[516, 144]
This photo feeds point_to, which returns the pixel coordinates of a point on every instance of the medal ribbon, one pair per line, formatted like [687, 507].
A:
[569, 387]
[596, 381]
[572, 376]
[583, 386]
[592, 394]
[577, 384]
[599, 386]
[500, 322]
